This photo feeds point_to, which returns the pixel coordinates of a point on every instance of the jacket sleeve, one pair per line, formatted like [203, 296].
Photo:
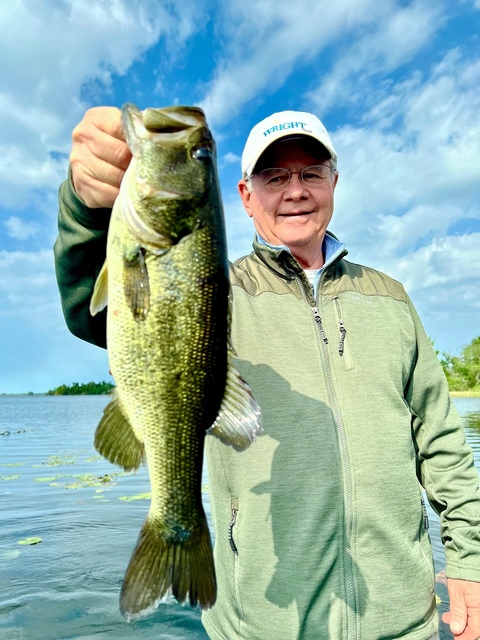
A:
[447, 469]
[79, 253]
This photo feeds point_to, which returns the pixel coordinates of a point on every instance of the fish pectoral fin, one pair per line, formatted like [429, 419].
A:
[135, 283]
[115, 439]
[99, 298]
[168, 563]
[239, 420]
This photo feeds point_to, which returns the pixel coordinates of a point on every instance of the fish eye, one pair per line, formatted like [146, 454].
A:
[202, 153]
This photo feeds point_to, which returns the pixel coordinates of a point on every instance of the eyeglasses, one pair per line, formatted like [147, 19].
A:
[314, 176]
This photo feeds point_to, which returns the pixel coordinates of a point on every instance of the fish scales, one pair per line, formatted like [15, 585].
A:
[166, 284]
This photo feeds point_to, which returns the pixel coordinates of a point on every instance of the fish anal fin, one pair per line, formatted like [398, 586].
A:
[115, 439]
[99, 298]
[161, 567]
[239, 420]
[135, 283]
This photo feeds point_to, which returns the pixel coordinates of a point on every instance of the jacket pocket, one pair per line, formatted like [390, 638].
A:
[232, 530]
[343, 347]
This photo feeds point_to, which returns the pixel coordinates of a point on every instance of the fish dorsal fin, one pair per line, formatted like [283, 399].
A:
[115, 439]
[239, 420]
[100, 291]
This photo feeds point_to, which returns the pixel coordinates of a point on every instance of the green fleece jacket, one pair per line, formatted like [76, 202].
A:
[320, 525]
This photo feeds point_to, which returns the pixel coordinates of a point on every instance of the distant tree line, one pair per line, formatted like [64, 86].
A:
[463, 371]
[87, 389]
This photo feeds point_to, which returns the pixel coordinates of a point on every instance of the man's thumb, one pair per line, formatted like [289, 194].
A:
[458, 616]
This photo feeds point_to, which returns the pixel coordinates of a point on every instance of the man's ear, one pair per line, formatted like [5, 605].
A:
[245, 195]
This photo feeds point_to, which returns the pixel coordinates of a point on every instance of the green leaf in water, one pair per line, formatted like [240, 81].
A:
[140, 496]
[32, 540]
[9, 477]
[48, 479]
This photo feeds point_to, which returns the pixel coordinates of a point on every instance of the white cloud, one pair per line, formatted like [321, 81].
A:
[385, 44]
[20, 230]
[230, 158]
[28, 289]
[264, 45]
[51, 52]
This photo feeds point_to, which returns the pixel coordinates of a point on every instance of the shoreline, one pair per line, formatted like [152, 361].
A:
[465, 394]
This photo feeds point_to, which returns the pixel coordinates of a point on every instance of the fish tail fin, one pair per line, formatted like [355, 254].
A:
[239, 420]
[164, 565]
[115, 439]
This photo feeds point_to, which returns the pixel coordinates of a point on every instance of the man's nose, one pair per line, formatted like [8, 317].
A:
[296, 188]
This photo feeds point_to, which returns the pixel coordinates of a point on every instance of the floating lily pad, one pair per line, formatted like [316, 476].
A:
[14, 464]
[32, 540]
[9, 477]
[57, 461]
[139, 496]
[90, 480]
[48, 479]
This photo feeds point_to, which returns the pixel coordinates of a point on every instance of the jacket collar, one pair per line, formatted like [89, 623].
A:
[281, 260]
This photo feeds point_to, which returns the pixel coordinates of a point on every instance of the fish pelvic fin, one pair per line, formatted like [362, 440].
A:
[115, 439]
[99, 298]
[166, 564]
[135, 283]
[239, 420]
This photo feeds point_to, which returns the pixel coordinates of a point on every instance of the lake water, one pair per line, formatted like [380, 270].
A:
[54, 486]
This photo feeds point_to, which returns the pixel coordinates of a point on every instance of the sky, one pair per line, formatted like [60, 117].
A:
[395, 82]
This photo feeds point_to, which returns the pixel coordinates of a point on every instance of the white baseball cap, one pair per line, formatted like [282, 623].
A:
[281, 125]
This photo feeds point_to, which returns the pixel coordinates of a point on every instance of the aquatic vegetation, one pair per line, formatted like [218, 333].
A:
[139, 496]
[90, 480]
[9, 477]
[48, 478]
[94, 458]
[32, 540]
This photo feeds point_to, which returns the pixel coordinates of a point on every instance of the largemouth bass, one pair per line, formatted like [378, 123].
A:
[166, 284]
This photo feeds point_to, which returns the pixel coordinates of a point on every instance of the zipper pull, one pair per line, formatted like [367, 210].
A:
[341, 326]
[425, 515]
[318, 320]
[343, 331]
[233, 522]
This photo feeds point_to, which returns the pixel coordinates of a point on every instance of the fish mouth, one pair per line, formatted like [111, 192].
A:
[173, 124]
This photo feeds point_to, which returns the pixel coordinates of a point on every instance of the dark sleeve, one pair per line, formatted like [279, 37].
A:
[79, 253]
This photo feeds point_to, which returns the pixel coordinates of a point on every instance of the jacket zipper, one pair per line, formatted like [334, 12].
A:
[351, 605]
[233, 522]
[318, 320]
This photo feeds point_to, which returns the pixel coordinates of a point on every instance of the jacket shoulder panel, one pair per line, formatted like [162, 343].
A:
[349, 276]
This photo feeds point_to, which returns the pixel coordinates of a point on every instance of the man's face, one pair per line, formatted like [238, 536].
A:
[296, 215]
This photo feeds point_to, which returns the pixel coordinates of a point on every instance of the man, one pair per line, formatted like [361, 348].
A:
[320, 529]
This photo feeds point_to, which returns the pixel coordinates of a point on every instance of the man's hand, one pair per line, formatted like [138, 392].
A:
[464, 614]
[99, 156]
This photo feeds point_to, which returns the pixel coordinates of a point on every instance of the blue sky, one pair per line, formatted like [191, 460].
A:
[395, 82]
